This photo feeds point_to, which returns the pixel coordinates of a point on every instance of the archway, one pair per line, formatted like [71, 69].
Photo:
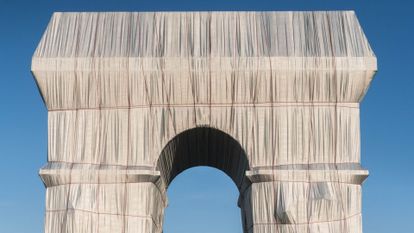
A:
[204, 146]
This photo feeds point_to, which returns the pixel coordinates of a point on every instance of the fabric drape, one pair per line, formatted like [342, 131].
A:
[270, 98]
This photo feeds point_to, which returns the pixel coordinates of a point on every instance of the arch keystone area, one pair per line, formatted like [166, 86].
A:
[270, 98]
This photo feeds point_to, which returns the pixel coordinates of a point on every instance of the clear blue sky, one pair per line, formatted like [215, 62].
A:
[387, 118]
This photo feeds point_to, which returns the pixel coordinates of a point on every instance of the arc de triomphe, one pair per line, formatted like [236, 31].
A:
[270, 98]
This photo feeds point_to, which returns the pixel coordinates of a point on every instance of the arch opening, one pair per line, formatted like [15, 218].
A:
[203, 146]
[202, 198]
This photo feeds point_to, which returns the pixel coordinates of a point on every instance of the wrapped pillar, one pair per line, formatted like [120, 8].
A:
[102, 199]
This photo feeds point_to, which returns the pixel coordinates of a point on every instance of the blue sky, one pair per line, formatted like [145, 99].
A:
[387, 118]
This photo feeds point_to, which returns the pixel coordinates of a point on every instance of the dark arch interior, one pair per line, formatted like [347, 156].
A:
[203, 146]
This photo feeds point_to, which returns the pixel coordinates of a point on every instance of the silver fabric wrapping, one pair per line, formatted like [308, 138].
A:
[270, 98]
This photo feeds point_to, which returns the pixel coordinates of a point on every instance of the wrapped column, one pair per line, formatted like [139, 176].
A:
[310, 200]
[106, 200]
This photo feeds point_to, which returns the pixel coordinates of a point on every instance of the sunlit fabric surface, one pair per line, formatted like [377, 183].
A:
[270, 98]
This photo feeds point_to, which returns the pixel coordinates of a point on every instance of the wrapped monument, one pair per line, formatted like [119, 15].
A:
[270, 98]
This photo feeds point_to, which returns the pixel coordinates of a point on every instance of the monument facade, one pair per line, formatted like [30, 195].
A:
[270, 98]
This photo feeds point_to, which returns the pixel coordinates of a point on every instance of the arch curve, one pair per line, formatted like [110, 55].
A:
[203, 146]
